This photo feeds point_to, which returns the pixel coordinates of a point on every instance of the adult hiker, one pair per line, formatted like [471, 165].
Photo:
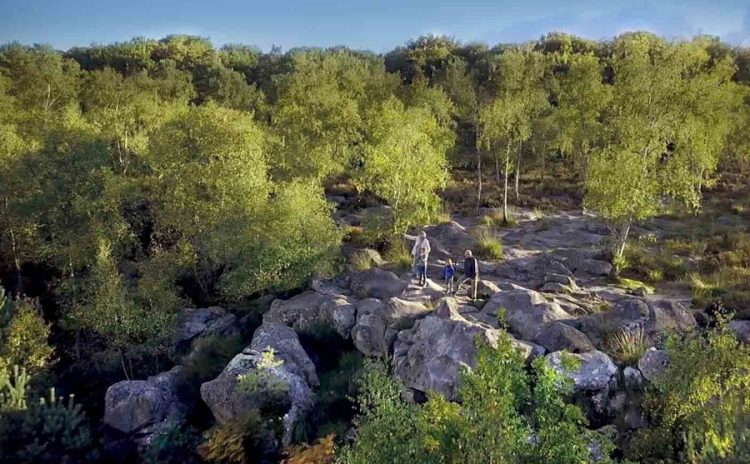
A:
[471, 273]
[419, 252]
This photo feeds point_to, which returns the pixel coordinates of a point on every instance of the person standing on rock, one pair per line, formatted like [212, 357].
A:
[421, 247]
[471, 273]
[449, 272]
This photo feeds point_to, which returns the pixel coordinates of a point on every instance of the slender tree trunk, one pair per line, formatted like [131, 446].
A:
[618, 250]
[497, 170]
[518, 170]
[479, 179]
[544, 165]
[505, 188]
[16, 263]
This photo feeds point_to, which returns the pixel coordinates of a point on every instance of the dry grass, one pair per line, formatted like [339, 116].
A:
[628, 345]
[488, 245]
[360, 260]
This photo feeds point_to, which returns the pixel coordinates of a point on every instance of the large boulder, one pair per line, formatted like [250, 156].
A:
[290, 368]
[193, 323]
[430, 356]
[449, 240]
[378, 323]
[653, 364]
[590, 372]
[741, 330]
[558, 336]
[143, 408]
[584, 263]
[309, 310]
[668, 315]
[526, 312]
[377, 283]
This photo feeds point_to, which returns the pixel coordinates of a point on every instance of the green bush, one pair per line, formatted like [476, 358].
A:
[51, 431]
[24, 336]
[698, 407]
[502, 407]
[488, 245]
[399, 255]
[178, 445]
[209, 355]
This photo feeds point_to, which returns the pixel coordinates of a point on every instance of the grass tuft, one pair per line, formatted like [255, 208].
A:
[399, 255]
[628, 345]
[360, 260]
[488, 245]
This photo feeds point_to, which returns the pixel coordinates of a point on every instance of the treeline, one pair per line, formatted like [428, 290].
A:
[137, 177]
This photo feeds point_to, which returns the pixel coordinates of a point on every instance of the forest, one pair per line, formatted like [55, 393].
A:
[141, 178]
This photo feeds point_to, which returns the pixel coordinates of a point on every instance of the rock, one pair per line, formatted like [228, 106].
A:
[374, 256]
[595, 372]
[430, 356]
[228, 402]
[486, 289]
[431, 292]
[193, 323]
[449, 240]
[563, 279]
[633, 378]
[557, 337]
[653, 364]
[626, 314]
[741, 330]
[554, 287]
[377, 283]
[368, 333]
[283, 340]
[526, 311]
[667, 315]
[337, 286]
[309, 310]
[583, 263]
[559, 283]
[143, 408]
[342, 314]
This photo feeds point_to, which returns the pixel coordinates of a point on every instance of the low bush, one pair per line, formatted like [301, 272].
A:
[628, 345]
[178, 445]
[323, 452]
[208, 357]
[487, 244]
[237, 442]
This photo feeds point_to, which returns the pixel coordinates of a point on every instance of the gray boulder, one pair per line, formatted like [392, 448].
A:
[595, 372]
[583, 263]
[741, 330]
[290, 370]
[558, 336]
[310, 310]
[486, 289]
[377, 283]
[526, 311]
[633, 378]
[143, 408]
[431, 356]
[378, 323]
[195, 323]
[653, 364]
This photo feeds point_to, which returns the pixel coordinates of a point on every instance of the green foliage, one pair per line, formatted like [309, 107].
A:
[399, 255]
[209, 356]
[24, 337]
[12, 388]
[178, 445]
[628, 345]
[51, 431]
[487, 243]
[505, 415]
[235, 443]
[699, 406]
[265, 380]
[404, 161]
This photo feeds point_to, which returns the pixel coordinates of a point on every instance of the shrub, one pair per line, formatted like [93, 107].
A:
[208, 357]
[23, 341]
[51, 431]
[399, 255]
[236, 442]
[698, 407]
[178, 445]
[360, 260]
[628, 345]
[501, 407]
[488, 246]
[263, 379]
[322, 452]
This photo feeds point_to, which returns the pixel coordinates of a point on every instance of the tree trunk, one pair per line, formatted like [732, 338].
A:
[479, 179]
[505, 188]
[497, 170]
[16, 263]
[618, 249]
[518, 170]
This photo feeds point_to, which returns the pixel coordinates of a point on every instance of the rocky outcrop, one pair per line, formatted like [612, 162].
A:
[525, 311]
[487, 289]
[741, 330]
[378, 323]
[653, 364]
[143, 408]
[431, 356]
[309, 310]
[290, 369]
[377, 283]
[193, 323]
[590, 372]
[558, 337]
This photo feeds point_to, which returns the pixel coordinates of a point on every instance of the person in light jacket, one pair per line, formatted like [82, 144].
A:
[421, 249]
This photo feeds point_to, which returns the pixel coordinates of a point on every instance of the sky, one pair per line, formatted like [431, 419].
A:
[374, 25]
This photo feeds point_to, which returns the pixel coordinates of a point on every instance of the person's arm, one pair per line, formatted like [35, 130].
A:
[409, 237]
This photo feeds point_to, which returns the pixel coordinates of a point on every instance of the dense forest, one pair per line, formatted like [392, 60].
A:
[144, 177]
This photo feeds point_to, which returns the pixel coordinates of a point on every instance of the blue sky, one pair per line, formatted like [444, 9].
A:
[378, 26]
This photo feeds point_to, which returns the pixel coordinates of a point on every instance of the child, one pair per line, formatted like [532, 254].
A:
[449, 273]
[422, 268]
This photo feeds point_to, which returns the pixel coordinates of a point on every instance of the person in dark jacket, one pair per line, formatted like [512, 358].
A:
[471, 274]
